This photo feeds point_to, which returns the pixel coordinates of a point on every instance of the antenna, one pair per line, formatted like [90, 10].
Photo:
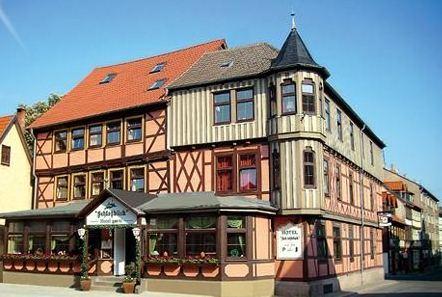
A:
[293, 19]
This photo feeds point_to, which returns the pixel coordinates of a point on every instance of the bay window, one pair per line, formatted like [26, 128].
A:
[15, 238]
[95, 136]
[288, 97]
[339, 124]
[97, 183]
[78, 139]
[163, 237]
[236, 237]
[61, 191]
[60, 237]
[327, 115]
[80, 186]
[201, 235]
[61, 141]
[273, 104]
[247, 173]
[326, 178]
[134, 129]
[245, 105]
[276, 170]
[113, 133]
[137, 179]
[221, 107]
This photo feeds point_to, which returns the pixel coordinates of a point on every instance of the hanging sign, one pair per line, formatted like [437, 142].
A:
[111, 212]
[289, 240]
[384, 219]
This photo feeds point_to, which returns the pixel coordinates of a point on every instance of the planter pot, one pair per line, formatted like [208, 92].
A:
[210, 270]
[128, 288]
[85, 284]
[41, 265]
[7, 264]
[171, 269]
[53, 266]
[18, 264]
[64, 266]
[191, 270]
[153, 269]
[30, 265]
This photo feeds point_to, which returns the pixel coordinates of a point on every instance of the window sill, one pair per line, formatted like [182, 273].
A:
[134, 141]
[77, 149]
[94, 147]
[6, 164]
[238, 259]
[108, 145]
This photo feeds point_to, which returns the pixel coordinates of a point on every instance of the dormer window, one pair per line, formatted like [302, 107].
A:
[108, 78]
[157, 84]
[158, 67]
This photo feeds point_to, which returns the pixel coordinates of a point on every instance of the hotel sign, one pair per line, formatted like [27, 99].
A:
[289, 240]
[111, 212]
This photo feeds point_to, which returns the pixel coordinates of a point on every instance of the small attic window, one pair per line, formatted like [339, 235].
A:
[108, 78]
[226, 64]
[158, 67]
[157, 84]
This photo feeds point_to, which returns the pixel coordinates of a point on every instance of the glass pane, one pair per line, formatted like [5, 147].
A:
[247, 179]
[134, 134]
[16, 227]
[224, 180]
[137, 185]
[37, 227]
[61, 226]
[289, 104]
[77, 132]
[97, 188]
[95, 129]
[201, 222]
[236, 222]
[307, 88]
[36, 244]
[222, 114]
[236, 245]
[95, 140]
[15, 244]
[286, 89]
[164, 223]
[245, 111]
[244, 94]
[60, 244]
[159, 243]
[222, 97]
[78, 143]
[196, 243]
[247, 160]
[224, 161]
[113, 137]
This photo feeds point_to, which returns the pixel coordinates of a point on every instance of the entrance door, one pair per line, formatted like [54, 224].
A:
[119, 251]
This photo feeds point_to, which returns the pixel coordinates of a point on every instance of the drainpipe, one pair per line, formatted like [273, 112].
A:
[361, 194]
[34, 194]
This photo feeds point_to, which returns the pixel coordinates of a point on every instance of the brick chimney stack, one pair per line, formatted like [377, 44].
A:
[21, 113]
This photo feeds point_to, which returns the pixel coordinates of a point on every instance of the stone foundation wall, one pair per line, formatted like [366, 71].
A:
[40, 279]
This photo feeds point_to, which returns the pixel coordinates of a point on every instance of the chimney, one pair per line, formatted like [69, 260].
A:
[21, 115]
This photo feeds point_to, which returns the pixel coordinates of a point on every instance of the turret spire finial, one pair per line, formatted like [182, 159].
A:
[293, 20]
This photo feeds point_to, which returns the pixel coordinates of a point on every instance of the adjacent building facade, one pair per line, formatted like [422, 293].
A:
[422, 211]
[245, 170]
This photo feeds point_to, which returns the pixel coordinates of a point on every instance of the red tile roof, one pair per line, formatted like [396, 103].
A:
[4, 123]
[128, 89]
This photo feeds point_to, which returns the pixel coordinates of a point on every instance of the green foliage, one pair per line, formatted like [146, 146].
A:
[85, 258]
[131, 272]
[35, 110]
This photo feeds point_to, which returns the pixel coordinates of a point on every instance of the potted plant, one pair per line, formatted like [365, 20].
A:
[129, 280]
[85, 280]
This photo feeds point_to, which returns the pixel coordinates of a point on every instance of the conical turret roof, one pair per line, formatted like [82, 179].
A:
[294, 54]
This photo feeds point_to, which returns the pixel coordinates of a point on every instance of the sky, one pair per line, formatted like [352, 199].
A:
[384, 56]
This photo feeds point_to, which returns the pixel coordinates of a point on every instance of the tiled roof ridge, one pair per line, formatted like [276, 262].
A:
[162, 54]
[241, 47]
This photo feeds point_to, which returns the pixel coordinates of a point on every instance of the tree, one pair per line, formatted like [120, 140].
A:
[36, 110]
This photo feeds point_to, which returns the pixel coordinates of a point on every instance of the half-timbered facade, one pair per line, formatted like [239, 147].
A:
[245, 160]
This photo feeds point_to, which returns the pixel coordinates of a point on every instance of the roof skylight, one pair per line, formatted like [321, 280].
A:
[226, 64]
[158, 67]
[157, 84]
[108, 78]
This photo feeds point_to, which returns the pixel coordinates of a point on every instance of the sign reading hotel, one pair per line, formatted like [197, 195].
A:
[111, 212]
[289, 242]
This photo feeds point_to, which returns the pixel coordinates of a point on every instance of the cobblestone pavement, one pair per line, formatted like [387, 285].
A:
[8, 290]
[413, 285]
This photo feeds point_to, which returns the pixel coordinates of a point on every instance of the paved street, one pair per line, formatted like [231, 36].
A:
[32, 291]
[428, 285]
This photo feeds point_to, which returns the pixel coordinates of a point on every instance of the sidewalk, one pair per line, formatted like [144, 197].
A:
[9, 290]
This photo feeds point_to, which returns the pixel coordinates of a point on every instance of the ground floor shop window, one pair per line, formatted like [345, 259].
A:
[60, 244]
[15, 244]
[36, 244]
[163, 237]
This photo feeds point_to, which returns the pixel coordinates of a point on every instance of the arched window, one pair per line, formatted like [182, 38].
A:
[309, 168]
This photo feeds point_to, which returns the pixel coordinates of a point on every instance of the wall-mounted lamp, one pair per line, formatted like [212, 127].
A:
[81, 232]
